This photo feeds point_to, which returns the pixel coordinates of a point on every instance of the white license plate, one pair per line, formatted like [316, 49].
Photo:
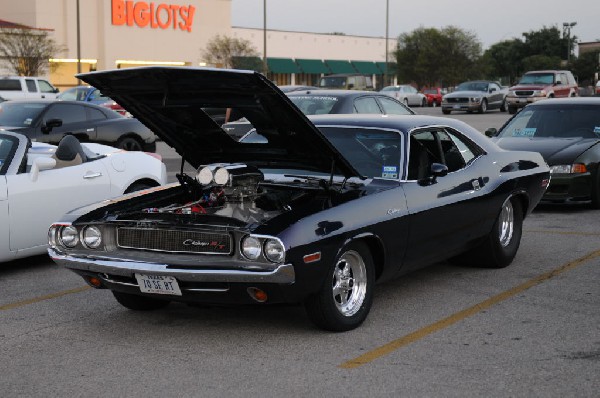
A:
[456, 106]
[158, 284]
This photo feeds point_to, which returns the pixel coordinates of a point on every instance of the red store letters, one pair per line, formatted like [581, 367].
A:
[144, 14]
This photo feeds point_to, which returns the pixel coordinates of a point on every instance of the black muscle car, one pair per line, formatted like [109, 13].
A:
[300, 211]
[566, 132]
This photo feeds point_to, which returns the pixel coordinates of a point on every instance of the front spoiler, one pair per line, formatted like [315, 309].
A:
[282, 274]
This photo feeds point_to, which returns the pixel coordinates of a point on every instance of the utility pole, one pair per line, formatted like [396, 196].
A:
[567, 28]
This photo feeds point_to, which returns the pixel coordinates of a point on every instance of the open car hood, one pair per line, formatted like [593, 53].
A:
[169, 101]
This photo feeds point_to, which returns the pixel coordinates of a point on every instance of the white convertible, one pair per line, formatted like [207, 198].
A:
[41, 182]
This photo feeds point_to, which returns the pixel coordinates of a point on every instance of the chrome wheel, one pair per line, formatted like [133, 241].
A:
[349, 283]
[506, 223]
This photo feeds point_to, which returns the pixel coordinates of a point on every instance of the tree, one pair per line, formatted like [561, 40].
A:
[586, 66]
[419, 53]
[26, 51]
[228, 51]
[505, 60]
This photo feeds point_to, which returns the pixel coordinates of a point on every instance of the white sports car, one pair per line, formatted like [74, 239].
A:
[41, 182]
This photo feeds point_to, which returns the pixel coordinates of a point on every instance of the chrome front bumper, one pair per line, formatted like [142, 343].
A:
[282, 274]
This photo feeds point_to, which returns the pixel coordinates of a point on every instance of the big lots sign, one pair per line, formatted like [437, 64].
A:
[142, 14]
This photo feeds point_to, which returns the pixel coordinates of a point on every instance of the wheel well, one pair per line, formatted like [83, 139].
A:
[142, 182]
[524, 200]
[376, 249]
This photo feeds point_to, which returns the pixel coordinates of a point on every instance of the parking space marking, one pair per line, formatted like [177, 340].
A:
[549, 231]
[34, 300]
[456, 317]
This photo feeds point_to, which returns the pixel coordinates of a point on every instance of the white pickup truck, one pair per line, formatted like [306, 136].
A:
[17, 87]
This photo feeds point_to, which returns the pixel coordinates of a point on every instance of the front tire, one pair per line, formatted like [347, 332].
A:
[446, 111]
[139, 303]
[503, 106]
[501, 245]
[483, 106]
[424, 103]
[512, 110]
[344, 300]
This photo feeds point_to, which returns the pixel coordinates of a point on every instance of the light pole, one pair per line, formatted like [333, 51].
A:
[265, 66]
[567, 28]
[387, 27]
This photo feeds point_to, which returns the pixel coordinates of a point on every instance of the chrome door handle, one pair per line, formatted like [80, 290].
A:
[92, 175]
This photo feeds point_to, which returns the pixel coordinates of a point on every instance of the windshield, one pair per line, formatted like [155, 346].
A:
[333, 82]
[314, 105]
[537, 78]
[373, 153]
[472, 86]
[430, 91]
[17, 114]
[556, 122]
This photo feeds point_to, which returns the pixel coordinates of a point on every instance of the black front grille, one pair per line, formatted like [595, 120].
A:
[524, 93]
[457, 100]
[179, 241]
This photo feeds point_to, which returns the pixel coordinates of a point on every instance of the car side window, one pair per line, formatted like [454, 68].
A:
[45, 87]
[95, 114]
[68, 113]
[30, 85]
[391, 107]
[366, 105]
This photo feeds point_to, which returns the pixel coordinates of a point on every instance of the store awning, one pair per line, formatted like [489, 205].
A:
[282, 65]
[338, 66]
[312, 66]
[366, 67]
[392, 67]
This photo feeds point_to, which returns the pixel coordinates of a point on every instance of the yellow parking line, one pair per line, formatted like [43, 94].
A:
[34, 300]
[548, 231]
[452, 319]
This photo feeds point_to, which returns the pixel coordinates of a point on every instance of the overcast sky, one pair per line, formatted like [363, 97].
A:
[491, 20]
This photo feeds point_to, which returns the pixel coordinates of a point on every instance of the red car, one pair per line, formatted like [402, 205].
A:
[434, 95]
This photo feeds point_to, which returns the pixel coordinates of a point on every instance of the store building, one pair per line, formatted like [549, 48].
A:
[109, 34]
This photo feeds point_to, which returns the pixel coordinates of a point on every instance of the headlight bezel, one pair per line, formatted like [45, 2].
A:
[267, 249]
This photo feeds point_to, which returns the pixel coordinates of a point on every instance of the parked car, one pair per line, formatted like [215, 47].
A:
[567, 134]
[41, 182]
[290, 88]
[50, 120]
[434, 95]
[92, 95]
[316, 213]
[475, 96]
[318, 102]
[541, 84]
[406, 94]
[19, 87]
[346, 81]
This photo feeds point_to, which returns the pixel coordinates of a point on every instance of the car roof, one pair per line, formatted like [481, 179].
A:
[331, 93]
[552, 102]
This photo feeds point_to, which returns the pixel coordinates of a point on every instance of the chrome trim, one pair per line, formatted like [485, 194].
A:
[282, 274]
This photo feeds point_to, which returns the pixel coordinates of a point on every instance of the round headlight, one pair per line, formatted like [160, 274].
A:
[274, 251]
[204, 176]
[251, 247]
[68, 236]
[92, 237]
[221, 176]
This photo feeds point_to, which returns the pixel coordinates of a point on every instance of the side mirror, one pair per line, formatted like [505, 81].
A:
[56, 90]
[492, 90]
[436, 170]
[41, 164]
[491, 132]
[50, 124]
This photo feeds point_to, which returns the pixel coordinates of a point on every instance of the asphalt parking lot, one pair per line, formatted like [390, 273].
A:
[529, 330]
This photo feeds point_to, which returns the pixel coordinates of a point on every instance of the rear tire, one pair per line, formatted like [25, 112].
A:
[501, 245]
[139, 303]
[129, 144]
[344, 300]
[138, 186]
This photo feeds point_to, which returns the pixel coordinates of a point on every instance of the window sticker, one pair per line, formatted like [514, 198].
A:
[27, 121]
[596, 130]
[524, 132]
[389, 172]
